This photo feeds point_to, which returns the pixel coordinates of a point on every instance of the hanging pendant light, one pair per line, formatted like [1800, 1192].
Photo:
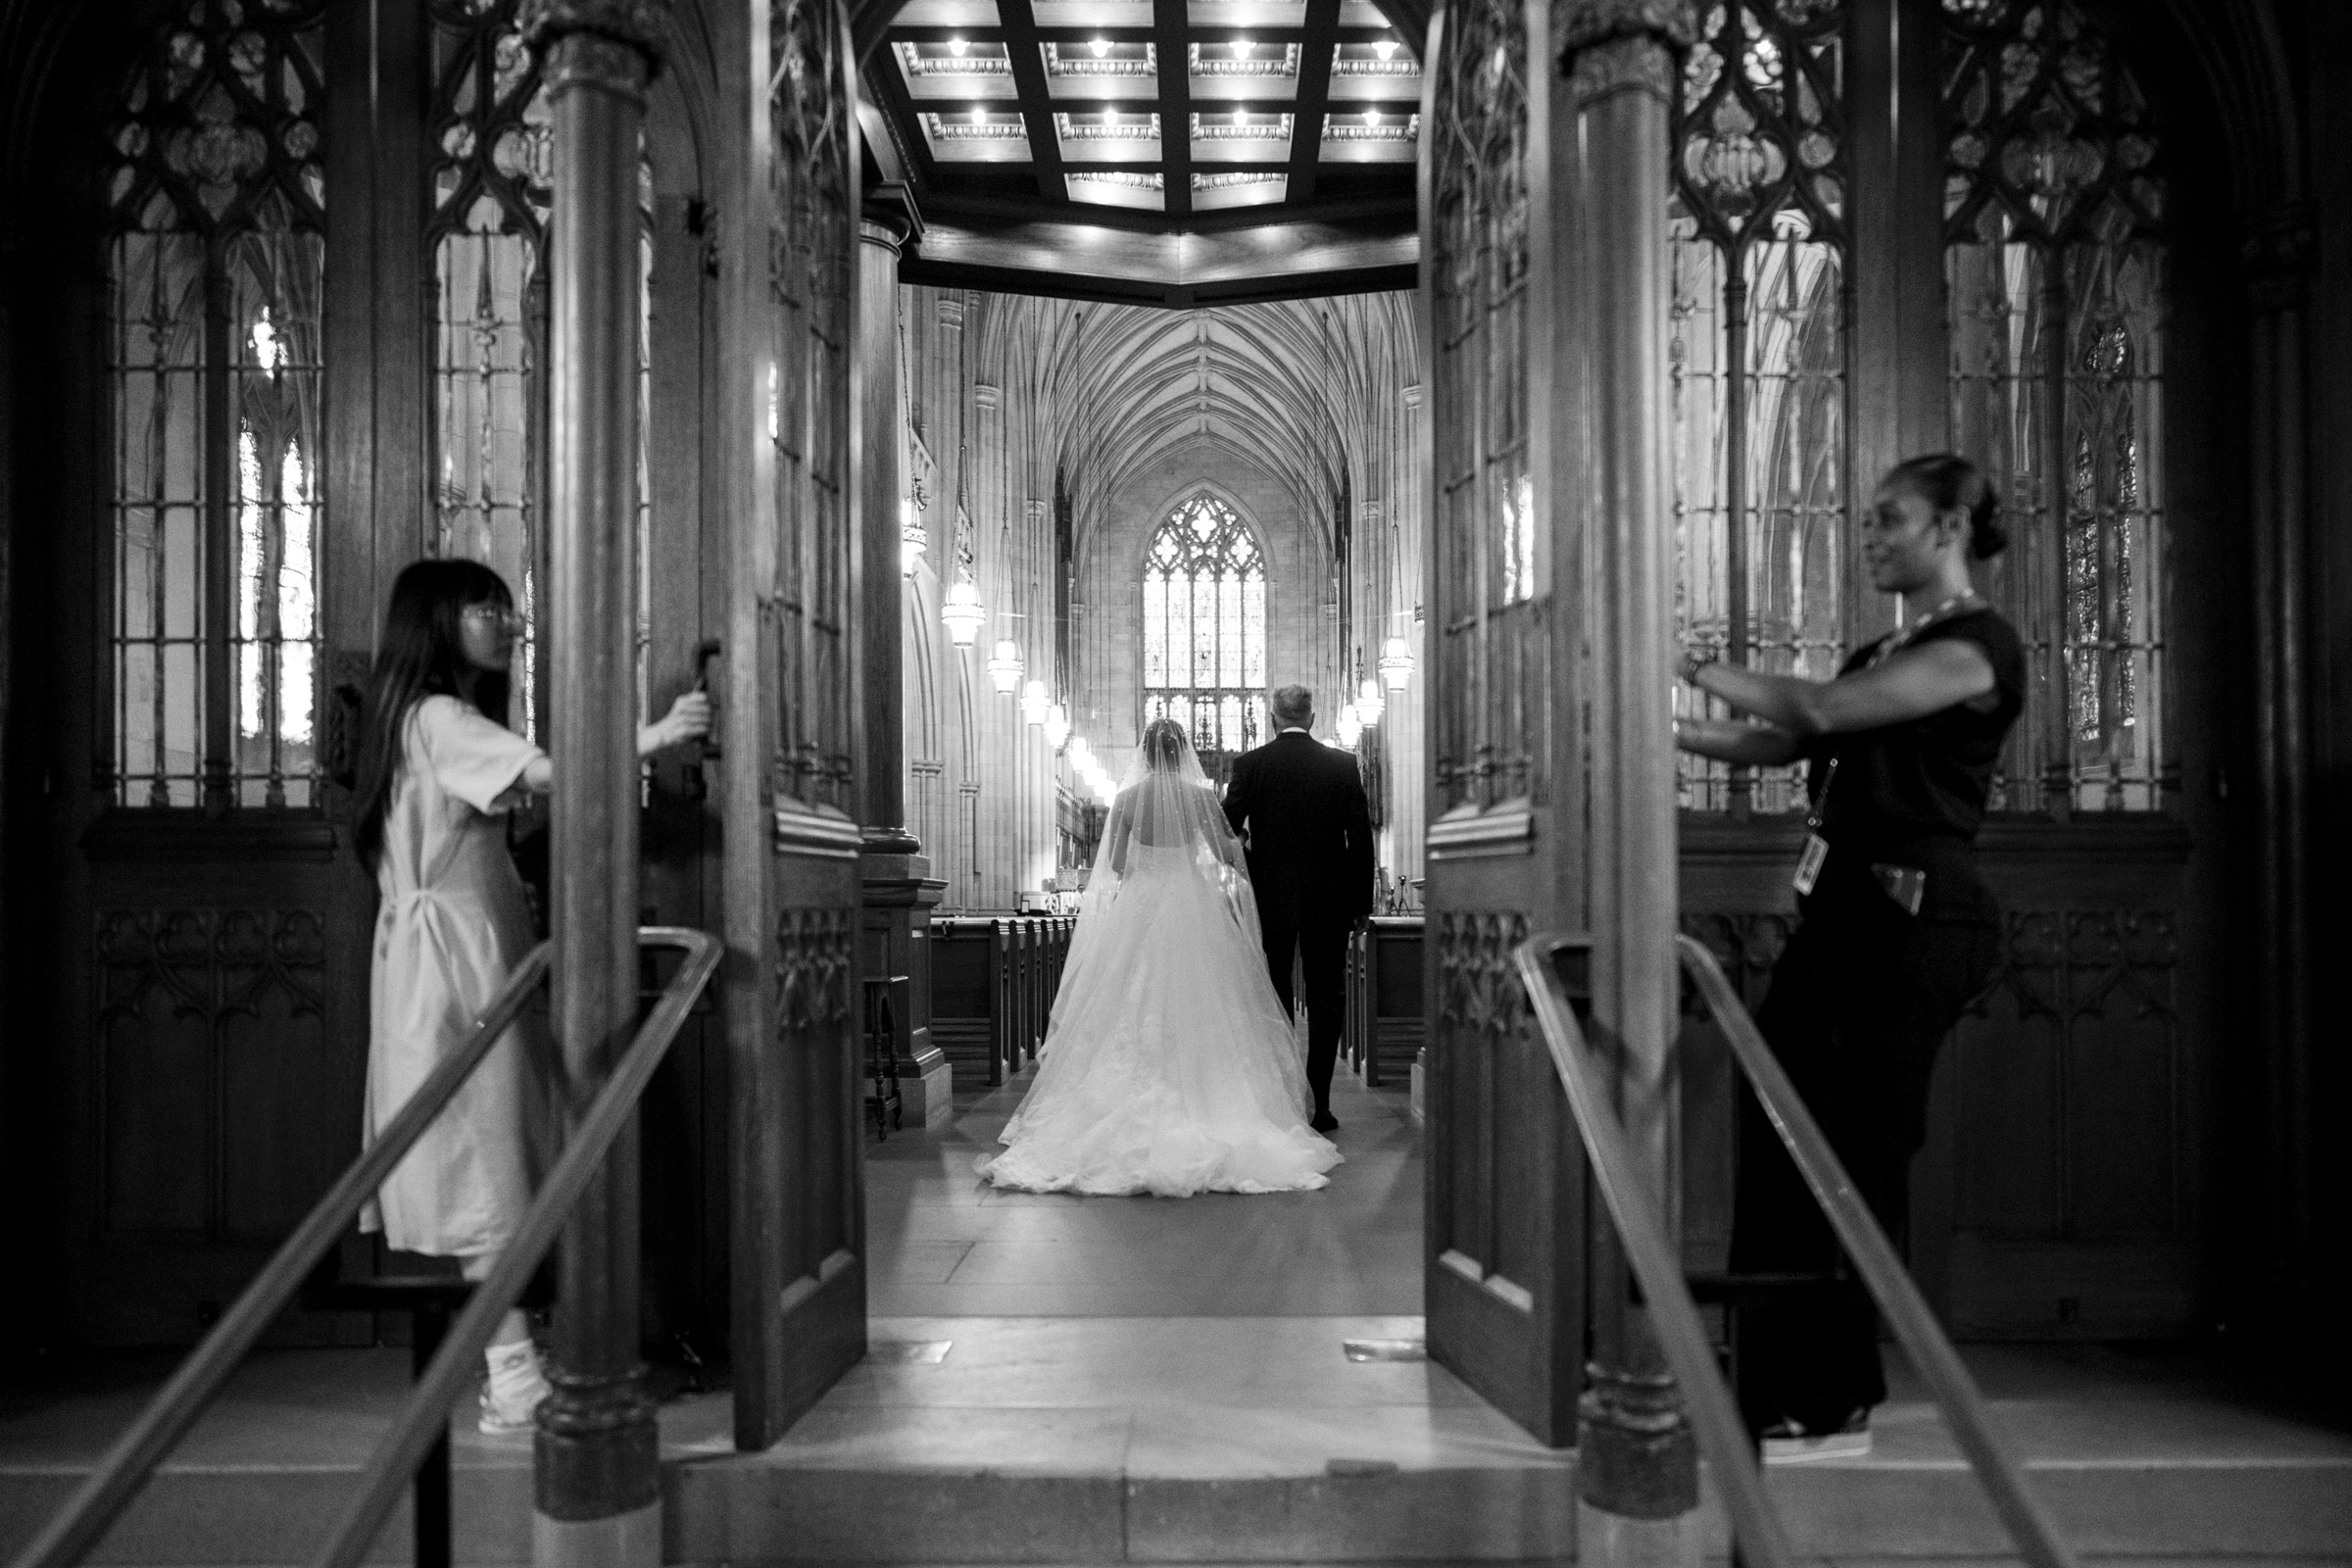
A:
[1349, 727]
[1396, 664]
[1035, 702]
[963, 613]
[1003, 666]
[1369, 704]
[1058, 726]
[1082, 756]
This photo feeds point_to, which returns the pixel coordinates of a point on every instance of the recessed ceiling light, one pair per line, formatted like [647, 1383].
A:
[957, 47]
[1386, 48]
[1240, 117]
[1241, 48]
[1100, 46]
[979, 116]
[1371, 117]
[1111, 115]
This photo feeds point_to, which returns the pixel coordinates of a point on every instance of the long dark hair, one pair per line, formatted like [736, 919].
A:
[422, 654]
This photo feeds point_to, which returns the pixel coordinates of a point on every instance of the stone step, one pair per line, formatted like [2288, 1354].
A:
[750, 1509]
[753, 1509]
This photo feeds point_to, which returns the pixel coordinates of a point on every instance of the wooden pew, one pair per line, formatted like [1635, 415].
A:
[994, 979]
[1384, 995]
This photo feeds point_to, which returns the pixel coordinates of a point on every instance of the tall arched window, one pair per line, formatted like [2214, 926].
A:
[1758, 354]
[217, 200]
[1204, 627]
[2054, 272]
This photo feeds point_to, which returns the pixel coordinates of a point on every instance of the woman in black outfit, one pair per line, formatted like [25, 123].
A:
[1898, 933]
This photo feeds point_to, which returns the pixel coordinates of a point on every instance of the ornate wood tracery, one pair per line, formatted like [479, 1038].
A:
[1494, 663]
[215, 198]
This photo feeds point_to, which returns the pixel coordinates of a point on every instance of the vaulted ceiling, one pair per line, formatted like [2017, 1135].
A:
[1172, 152]
[1305, 389]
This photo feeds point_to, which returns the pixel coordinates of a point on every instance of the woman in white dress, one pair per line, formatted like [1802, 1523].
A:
[437, 772]
[1169, 1066]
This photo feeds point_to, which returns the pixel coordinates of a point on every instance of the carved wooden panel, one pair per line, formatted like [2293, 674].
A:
[816, 960]
[2073, 1057]
[211, 1062]
[2056, 1194]
[1489, 1072]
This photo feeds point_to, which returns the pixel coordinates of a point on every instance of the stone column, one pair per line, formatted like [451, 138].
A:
[1638, 1473]
[2276, 256]
[598, 1485]
[899, 891]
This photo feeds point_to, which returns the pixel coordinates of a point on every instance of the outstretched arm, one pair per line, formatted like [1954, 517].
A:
[1737, 741]
[1916, 682]
[688, 718]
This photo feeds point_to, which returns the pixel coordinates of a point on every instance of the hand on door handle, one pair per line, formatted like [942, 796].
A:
[703, 656]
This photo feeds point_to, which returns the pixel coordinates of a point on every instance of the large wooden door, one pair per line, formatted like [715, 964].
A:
[788, 272]
[189, 934]
[1505, 1226]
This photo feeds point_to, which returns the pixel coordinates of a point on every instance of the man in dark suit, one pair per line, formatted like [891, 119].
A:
[1300, 805]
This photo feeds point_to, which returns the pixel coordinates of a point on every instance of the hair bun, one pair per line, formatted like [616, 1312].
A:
[1950, 482]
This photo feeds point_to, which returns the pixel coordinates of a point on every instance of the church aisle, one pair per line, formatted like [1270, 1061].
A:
[942, 1243]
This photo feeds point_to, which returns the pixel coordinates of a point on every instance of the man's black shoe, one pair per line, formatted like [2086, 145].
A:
[1325, 1122]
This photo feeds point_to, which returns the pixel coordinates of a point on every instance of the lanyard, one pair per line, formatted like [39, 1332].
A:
[1901, 637]
[1821, 798]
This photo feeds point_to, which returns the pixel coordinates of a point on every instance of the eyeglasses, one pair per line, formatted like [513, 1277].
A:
[494, 614]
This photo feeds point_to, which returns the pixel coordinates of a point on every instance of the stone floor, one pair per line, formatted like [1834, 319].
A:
[1059, 1379]
[942, 1243]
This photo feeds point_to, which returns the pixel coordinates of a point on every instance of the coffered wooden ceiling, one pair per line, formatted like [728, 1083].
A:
[1165, 151]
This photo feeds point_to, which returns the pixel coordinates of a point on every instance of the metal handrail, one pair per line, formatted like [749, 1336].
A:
[134, 1457]
[1657, 1267]
[1915, 1327]
[425, 1415]
[159, 1427]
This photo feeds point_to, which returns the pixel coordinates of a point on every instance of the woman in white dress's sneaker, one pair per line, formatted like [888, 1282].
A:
[438, 770]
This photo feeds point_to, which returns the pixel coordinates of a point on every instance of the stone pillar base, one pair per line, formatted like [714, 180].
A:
[1606, 1540]
[927, 1094]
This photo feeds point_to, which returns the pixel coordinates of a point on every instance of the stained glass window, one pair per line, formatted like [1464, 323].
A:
[2055, 281]
[1204, 627]
[1757, 357]
[492, 170]
[215, 269]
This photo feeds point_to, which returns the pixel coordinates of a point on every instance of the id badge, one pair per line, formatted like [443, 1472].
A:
[1809, 864]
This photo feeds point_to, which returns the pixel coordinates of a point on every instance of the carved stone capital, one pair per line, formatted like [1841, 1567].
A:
[1577, 25]
[1631, 62]
[951, 308]
[1413, 394]
[988, 396]
[622, 36]
[881, 233]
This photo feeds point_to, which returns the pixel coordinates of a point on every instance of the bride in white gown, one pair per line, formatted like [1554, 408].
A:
[1169, 1066]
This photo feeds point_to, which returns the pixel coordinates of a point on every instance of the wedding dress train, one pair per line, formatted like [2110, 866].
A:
[1169, 1066]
